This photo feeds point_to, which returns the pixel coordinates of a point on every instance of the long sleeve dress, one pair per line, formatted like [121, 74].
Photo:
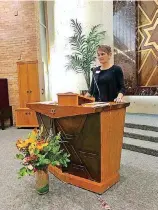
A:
[110, 83]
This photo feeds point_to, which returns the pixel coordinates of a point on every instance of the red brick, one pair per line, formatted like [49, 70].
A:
[19, 39]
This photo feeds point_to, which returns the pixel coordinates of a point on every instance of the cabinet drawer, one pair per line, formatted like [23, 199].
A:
[26, 118]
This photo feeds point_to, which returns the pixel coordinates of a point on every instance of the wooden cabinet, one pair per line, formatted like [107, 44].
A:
[26, 118]
[28, 83]
[31, 89]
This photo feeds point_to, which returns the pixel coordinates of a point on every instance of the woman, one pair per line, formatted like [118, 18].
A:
[108, 82]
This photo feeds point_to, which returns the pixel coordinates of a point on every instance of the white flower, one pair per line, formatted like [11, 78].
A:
[24, 161]
[30, 167]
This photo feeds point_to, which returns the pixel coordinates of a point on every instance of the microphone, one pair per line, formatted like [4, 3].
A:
[92, 69]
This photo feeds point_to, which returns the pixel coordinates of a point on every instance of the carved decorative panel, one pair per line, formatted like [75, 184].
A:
[81, 138]
[148, 43]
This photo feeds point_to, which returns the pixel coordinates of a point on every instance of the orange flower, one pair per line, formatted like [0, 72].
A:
[41, 144]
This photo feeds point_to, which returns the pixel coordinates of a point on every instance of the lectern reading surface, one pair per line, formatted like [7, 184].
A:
[92, 135]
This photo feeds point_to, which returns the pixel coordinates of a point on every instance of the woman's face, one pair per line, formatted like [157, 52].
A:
[103, 57]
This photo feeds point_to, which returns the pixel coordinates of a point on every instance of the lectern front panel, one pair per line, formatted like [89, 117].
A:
[81, 138]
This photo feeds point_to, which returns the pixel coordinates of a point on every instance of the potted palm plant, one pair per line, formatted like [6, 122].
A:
[37, 152]
[83, 49]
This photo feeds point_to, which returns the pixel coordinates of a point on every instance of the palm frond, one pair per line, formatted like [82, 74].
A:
[76, 27]
[95, 28]
[74, 63]
[83, 49]
[78, 44]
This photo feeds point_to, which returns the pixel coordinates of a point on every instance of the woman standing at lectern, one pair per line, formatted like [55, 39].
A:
[108, 81]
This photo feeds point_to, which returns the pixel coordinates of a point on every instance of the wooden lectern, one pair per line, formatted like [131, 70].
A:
[92, 133]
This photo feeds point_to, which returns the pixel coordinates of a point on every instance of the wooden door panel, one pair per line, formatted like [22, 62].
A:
[26, 118]
[33, 82]
[41, 81]
[33, 119]
[148, 43]
[23, 84]
[22, 118]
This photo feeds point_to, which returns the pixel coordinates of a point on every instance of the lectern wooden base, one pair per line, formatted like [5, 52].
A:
[92, 134]
[85, 183]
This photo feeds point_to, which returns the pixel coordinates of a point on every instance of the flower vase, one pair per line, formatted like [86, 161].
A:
[42, 181]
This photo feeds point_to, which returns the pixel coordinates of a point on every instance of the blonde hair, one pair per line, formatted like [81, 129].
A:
[104, 48]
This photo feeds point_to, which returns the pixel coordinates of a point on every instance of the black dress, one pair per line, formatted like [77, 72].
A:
[110, 83]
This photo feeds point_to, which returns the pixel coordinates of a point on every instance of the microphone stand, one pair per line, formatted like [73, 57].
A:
[96, 84]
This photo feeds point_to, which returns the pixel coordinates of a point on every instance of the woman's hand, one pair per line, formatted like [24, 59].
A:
[119, 98]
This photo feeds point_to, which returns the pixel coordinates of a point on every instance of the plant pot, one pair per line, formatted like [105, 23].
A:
[42, 181]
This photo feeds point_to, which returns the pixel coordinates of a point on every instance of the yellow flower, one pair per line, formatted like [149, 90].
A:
[21, 144]
[32, 147]
[30, 140]
[33, 135]
[40, 145]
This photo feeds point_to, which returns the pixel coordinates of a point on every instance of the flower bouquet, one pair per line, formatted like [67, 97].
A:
[36, 153]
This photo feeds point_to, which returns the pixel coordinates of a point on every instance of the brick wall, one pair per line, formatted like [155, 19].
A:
[19, 41]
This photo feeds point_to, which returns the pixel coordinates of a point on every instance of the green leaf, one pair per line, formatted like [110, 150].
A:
[47, 148]
[20, 156]
[55, 163]
[45, 162]
[30, 172]
[55, 150]
[76, 27]
[22, 172]
[36, 151]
